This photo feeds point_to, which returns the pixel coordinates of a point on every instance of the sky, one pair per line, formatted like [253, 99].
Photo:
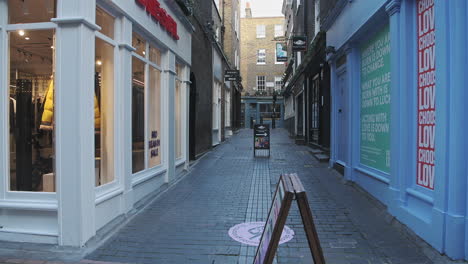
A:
[263, 8]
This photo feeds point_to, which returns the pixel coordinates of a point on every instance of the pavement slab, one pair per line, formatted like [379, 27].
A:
[228, 186]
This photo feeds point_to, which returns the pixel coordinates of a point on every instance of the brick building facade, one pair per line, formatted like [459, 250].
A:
[260, 70]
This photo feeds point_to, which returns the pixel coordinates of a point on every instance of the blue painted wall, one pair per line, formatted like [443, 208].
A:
[438, 216]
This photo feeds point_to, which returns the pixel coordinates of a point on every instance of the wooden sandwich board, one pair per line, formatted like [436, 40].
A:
[289, 188]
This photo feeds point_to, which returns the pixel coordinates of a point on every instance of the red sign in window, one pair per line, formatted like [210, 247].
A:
[426, 94]
[153, 7]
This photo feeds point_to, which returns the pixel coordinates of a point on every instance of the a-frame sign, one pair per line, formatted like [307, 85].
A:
[289, 188]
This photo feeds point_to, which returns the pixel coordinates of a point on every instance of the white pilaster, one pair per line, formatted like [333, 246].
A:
[74, 117]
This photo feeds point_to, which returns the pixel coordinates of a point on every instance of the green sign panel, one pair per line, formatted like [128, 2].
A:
[375, 102]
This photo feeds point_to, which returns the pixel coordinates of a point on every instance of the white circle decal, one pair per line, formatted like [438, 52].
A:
[251, 232]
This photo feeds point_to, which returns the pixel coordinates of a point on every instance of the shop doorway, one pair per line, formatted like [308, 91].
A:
[192, 116]
[342, 118]
[314, 110]
[300, 115]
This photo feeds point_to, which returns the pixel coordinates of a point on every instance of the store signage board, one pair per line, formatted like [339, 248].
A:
[153, 7]
[376, 101]
[281, 52]
[289, 188]
[231, 75]
[425, 171]
[299, 43]
[262, 138]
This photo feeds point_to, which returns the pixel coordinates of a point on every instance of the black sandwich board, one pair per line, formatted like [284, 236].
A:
[261, 138]
[289, 188]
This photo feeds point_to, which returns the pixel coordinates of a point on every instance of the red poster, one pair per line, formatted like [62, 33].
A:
[426, 94]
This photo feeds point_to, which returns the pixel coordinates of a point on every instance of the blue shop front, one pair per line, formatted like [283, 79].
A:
[393, 133]
[257, 110]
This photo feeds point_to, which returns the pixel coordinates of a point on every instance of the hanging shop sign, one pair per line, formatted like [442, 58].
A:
[231, 75]
[375, 102]
[289, 188]
[299, 43]
[426, 95]
[153, 7]
[281, 52]
[262, 138]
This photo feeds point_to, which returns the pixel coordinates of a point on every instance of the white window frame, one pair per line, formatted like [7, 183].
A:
[261, 84]
[261, 59]
[279, 32]
[39, 198]
[261, 31]
[149, 172]
[278, 79]
[116, 182]
[183, 112]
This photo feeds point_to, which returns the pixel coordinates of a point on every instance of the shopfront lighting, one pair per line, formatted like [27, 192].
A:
[99, 62]
[21, 32]
[27, 38]
[51, 47]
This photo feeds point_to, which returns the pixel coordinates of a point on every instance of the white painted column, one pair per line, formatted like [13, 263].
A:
[123, 113]
[74, 117]
[169, 95]
[186, 123]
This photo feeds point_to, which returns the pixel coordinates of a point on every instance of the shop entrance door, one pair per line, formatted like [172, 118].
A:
[314, 110]
[300, 115]
[342, 118]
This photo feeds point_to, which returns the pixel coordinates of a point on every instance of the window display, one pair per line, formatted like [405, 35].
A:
[146, 112]
[31, 110]
[103, 110]
[104, 100]
[138, 115]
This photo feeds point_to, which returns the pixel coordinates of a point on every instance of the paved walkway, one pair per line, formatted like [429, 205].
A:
[190, 223]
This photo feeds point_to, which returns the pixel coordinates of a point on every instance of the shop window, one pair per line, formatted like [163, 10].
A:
[178, 112]
[31, 11]
[31, 109]
[154, 126]
[138, 115]
[139, 44]
[103, 110]
[146, 106]
[106, 22]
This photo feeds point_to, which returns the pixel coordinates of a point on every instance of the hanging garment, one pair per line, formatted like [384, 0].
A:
[48, 114]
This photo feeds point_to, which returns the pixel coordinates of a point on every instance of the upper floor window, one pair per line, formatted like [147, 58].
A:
[261, 83]
[261, 56]
[279, 31]
[261, 31]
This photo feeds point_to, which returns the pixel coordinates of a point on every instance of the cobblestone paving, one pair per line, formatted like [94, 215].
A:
[190, 223]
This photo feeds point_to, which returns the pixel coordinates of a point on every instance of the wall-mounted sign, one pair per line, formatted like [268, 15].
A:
[299, 43]
[231, 75]
[281, 52]
[153, 7]
[425, 172]
[289, 188]
[375, 101]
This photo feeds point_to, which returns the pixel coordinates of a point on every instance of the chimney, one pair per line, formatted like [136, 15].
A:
[248, 10]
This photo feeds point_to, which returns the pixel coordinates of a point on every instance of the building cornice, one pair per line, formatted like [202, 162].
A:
[393, 7]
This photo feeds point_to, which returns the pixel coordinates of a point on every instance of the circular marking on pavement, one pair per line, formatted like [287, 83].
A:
[249, 233]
